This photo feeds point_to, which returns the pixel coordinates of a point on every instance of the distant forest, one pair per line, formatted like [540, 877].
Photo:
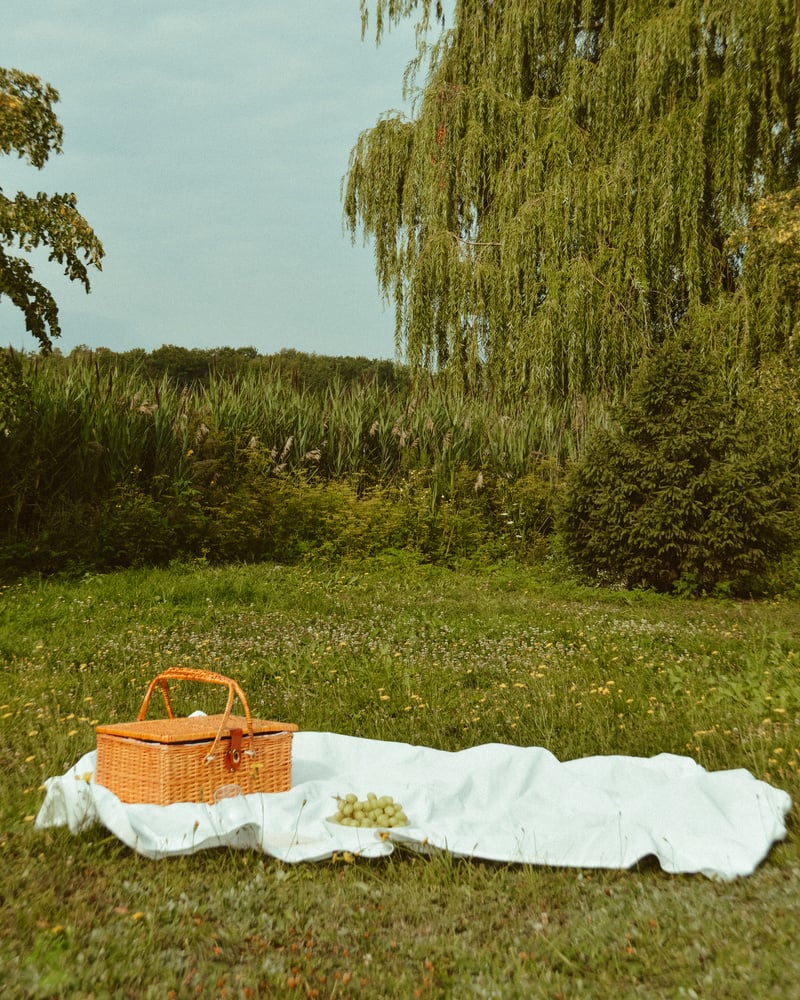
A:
[194, 366]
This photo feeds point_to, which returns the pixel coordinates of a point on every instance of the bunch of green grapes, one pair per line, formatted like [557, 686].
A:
[373, 811]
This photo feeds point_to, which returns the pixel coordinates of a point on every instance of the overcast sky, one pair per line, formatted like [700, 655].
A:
[206, 143]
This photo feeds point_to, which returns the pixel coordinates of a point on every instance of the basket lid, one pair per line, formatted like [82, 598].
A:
[191, 728]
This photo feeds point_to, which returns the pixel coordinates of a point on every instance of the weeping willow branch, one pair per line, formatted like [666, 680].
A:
[475, 243]
[606, 160]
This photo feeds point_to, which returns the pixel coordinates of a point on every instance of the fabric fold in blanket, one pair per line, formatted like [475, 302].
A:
[494, 802]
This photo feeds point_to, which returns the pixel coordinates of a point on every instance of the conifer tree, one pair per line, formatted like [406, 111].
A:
[687, 490]
[579, 178]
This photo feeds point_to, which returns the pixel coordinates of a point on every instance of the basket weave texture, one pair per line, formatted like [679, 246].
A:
[175, 759]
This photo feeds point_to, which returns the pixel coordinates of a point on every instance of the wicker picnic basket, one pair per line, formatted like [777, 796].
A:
[186, 759]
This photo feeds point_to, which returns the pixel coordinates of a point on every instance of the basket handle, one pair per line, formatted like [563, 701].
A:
[206, 677]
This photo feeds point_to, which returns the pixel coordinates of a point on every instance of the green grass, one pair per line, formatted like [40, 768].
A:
[393, 649]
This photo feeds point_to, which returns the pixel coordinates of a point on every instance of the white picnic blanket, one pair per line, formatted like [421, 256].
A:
[496, 802]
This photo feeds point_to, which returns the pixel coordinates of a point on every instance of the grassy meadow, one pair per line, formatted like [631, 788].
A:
[392, 648]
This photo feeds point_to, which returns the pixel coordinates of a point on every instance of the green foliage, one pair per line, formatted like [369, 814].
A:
[194, 367]
[688, 491]
[29, 126]
[111, 468]
[286, 519]
[573, 183]
[134, 529]
[14, 394]
[762, 317]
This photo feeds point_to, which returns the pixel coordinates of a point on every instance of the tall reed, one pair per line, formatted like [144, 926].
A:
[100, 441]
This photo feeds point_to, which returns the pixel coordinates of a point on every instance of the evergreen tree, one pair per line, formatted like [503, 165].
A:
[686, 490]
[581, 177]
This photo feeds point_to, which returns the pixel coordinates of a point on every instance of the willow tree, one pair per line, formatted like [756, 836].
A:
[578, 178]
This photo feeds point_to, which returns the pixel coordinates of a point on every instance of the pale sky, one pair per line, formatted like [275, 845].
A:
[206, 143]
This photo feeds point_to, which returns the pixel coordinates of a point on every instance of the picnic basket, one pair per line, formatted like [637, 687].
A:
[185, 759]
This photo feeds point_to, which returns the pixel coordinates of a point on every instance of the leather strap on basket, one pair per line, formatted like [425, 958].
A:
[205, 677]
[233, 755]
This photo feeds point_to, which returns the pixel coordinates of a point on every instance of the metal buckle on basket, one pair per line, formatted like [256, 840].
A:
[233, 756]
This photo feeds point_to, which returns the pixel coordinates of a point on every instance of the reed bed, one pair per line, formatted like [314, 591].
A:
[98, 439]
[134, 421]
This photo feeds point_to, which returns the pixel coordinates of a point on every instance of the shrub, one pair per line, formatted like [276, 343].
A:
[134, 529]
[526, 511]
[14, 393]
[685, 491]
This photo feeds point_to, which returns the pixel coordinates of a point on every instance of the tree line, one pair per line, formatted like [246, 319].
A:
[195, 366]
